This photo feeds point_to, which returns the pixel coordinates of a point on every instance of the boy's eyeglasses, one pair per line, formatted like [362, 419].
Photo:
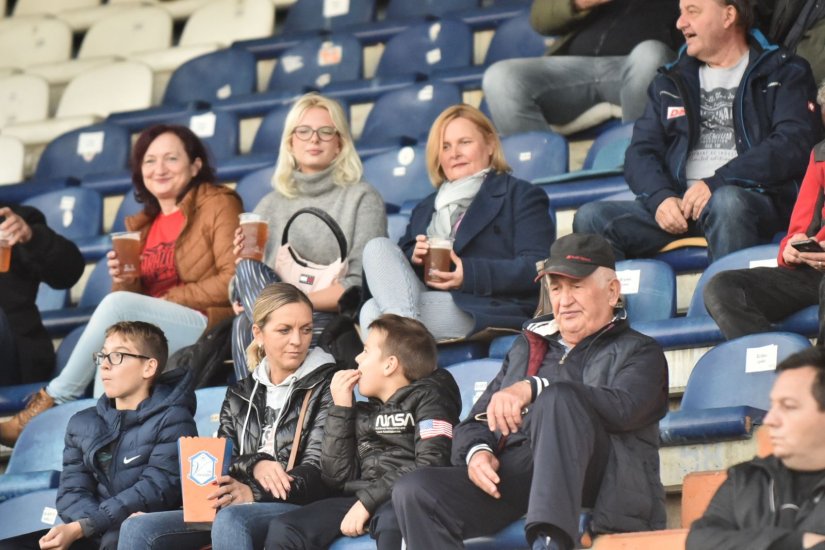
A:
[325, 133]
[115, 358]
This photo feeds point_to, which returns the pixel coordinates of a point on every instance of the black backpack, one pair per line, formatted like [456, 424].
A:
[210, 357]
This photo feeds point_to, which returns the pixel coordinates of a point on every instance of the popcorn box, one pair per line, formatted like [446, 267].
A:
[202, 461]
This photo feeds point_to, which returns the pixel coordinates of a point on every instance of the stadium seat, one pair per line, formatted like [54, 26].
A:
[253, 186]
[514, 38]
[23, 98]
[409, 56]
[34, 511]
[14, 156]
[37, 458]
[49, 7]
[49, 298]
[207, 417]
[310, 65]
[697, 328]
[31, 41]
[698, 489]
[128, 207]
[534, 155]
[118, 36]
[321, 15]
[77, 214]
[399, 9]
[197, 84]
[89, 97]
[472, 378]
[400, 177]
[672, 539]
[397, 226]
[601, 174]
[180, 10]
[63, 321]
[13, 398]
[648, 289]
[214, 24]
[404, 117]
[728, 389]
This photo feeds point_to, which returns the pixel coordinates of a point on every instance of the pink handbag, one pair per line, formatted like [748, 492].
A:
[306, 275]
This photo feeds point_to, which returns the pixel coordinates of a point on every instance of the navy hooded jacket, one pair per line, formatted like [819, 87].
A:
[776, 123]
[143, 474]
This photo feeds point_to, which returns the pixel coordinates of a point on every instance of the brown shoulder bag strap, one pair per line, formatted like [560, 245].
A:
[293, 453]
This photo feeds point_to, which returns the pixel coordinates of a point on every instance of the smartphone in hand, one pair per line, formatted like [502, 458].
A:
[808, 245]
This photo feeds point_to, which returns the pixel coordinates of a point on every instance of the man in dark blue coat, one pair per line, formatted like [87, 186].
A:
[722, 145]
[121, 457]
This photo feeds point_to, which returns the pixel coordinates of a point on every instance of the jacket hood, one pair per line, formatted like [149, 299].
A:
[756, 40]
[172, 388]
[315, 359]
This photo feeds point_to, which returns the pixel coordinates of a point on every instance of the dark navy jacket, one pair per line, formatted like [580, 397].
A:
[143, 472]
[505, 231]
[776, 123]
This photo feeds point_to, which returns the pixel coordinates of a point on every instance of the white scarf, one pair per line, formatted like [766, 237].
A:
[453, 198]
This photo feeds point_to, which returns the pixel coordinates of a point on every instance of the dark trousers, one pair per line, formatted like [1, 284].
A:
[31, 541]
[10, 373]
[318, 524]
[747, 301]
[550, 477]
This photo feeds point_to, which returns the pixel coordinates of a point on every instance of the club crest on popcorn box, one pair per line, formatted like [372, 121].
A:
[202, 461]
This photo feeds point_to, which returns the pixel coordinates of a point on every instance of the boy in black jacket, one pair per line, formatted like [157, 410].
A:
[407, 423]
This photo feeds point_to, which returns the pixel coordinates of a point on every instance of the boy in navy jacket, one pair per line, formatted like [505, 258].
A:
[407, 423]
[121, 456]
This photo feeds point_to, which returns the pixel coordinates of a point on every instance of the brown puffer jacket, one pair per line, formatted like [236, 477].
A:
[203, 252]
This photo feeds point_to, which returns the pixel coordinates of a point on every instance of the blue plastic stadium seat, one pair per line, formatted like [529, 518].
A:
[649, 290]
[399, 9]
[456, 352]
[97, 153]
[33, 511]
[77, 214]
[535, 155]
[128, 207]
[411, 55]
[400, 176]
[514, 38]
[397, 226]
[254, 186]
[37, 458]
[697, 328]
[207, 415]
[472, 378]
[197, 84]
[14, 398]
[723, 400]
[315, 15]
[98, 285]
[312, 64]
[600, 176]
[404, 117]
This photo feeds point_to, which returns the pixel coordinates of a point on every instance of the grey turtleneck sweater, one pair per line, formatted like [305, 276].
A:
[358, 209]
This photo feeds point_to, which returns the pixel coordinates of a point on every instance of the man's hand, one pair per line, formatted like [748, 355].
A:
[422, 246]
[342, 385]
[695, 200]
[231, 491]
[15, 227]
[581, 5]
[450, 280]
[482, 471]
[669, 216]
[504, 409]
[355, 521]
[791, 255]
[810, 540]
[272, 477]
[62, 536]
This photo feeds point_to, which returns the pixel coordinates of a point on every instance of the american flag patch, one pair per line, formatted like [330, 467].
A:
[434, 428]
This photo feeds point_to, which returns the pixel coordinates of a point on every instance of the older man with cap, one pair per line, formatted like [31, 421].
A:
[569, 423]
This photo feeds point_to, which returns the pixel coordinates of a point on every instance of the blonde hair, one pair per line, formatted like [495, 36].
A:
[434, 141]
[347, 168]
[272, 298]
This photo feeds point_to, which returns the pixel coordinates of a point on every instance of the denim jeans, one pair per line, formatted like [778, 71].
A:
[397, 289]
[237, 527]
[182, 326]
[733, 219]
[528, 94]
[747, 301]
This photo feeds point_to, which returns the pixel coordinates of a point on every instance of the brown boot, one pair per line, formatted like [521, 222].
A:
[11, 429]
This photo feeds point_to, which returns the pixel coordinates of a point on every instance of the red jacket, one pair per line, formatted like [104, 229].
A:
[809, 210]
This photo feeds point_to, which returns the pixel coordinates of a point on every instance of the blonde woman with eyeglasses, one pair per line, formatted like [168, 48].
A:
[318, 167]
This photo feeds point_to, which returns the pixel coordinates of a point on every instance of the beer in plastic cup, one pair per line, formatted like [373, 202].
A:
[5, 252]
[127, 247]
[438, 257]
[255, 232]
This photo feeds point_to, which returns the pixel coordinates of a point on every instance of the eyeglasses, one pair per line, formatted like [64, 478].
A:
[325, 133]
[115, 358]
